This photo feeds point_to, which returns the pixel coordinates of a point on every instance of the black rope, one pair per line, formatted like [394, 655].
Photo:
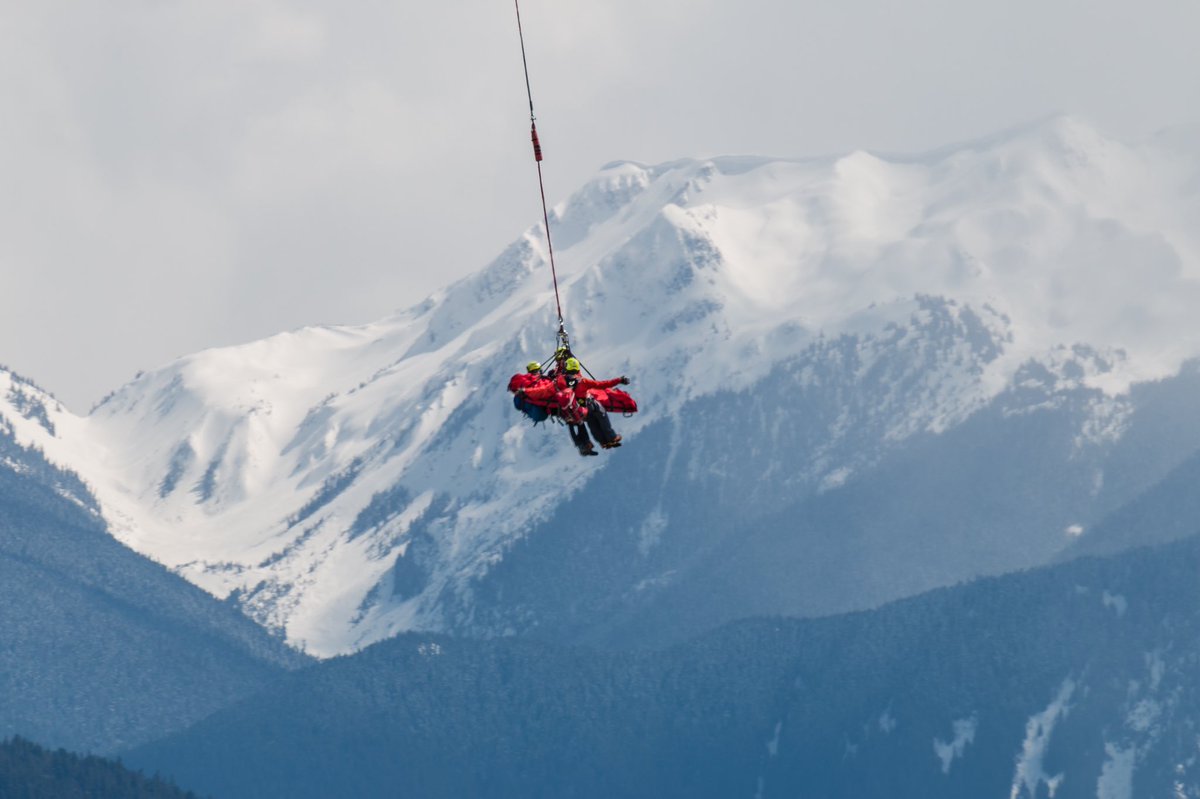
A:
[524, 62]
[537, 157]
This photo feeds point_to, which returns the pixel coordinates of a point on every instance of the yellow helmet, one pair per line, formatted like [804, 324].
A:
[533, 366]
[571, 365]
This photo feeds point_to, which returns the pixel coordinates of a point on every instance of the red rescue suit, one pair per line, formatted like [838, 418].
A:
[526, 381]
[568, 399]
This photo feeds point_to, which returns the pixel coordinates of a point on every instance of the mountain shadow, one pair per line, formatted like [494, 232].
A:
[747, 510]
[100, 648]
[1076, 680]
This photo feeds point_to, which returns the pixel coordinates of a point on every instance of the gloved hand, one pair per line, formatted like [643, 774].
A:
[624, 380]
[520, 392]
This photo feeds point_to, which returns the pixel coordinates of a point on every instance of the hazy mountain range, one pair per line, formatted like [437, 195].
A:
[821, 348]
[100, 648]
[861, 379]
[1073, 681]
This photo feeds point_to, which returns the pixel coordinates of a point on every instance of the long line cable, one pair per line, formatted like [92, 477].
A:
[537, 157]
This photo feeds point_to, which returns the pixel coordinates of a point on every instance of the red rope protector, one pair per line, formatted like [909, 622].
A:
[537, 145]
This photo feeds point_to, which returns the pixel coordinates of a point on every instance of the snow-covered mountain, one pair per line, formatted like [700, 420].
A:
[101, 648]
[798, 331]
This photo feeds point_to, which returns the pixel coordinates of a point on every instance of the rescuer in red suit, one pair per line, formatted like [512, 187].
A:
[570, 395]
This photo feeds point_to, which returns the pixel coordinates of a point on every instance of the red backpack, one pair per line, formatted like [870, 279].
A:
[614, 400]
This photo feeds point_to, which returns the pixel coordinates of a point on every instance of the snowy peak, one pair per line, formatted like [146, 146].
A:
[1009, 221]
[33, 426]
[348, 483]
[24, 404]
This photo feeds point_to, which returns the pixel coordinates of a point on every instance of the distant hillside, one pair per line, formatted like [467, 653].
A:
[100, 648]
[1080, 680]
[27, 771]
[1167, 511]
[859, 377]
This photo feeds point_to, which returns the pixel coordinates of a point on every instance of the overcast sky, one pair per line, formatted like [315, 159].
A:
[182, 174]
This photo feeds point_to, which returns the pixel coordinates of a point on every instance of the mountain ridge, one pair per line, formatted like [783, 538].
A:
[254, 470]
[103, 649]
[1078, 676]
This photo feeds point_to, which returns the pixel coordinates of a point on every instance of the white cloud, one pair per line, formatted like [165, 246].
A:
[183, 175]
[285, 33]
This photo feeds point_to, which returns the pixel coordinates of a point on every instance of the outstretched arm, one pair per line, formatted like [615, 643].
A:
[604, 384]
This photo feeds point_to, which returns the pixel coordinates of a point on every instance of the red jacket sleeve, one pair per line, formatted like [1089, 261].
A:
[542, 392]
[588, 385]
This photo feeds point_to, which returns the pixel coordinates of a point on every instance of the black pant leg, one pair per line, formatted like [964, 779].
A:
[579, 436]
[597, 420]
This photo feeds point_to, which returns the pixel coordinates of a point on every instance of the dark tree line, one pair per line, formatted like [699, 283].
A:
[28, 771]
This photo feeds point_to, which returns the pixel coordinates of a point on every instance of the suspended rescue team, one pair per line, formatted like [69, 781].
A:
[560, 392]
[582, 404]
